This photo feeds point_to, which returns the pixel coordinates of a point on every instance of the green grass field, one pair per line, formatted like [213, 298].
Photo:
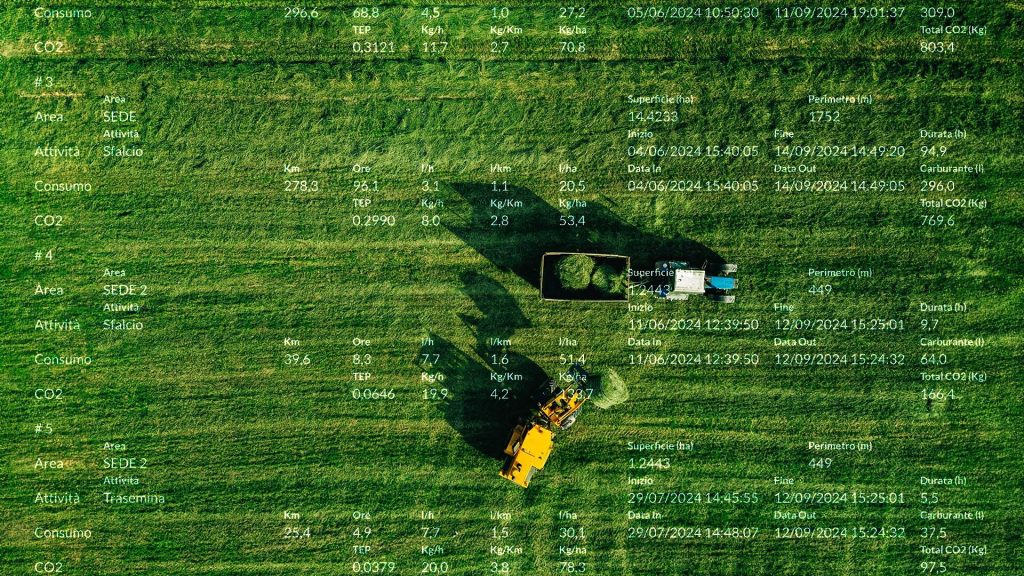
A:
[269, 293]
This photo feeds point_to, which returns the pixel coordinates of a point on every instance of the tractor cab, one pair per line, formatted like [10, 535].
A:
[680, 281]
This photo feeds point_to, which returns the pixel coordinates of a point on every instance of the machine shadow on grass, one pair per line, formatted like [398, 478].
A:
[489, 392]
[532, 228]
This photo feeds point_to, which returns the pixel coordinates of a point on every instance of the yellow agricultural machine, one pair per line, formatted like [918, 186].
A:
[530, 445]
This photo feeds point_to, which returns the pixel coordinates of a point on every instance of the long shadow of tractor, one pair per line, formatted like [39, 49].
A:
[513, 228]
[486, 393]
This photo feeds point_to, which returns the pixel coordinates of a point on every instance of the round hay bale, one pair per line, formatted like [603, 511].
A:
[608, 280]
[574, 271]
[610, 391]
